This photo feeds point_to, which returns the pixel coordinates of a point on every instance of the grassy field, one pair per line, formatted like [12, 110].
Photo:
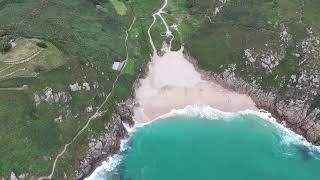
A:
[83, 42]
[156, 29]
[85, 37]
[24, 49]
[119, 6]
[28, 60]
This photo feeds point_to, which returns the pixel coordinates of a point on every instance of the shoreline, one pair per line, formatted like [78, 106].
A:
[254, 99]
[240, 88]
[291, 117]
[287, 136]
[173, 82]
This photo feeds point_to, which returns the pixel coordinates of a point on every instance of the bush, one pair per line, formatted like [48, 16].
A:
[39, 69]
[5, 46]
[191, 3]
[42, 44]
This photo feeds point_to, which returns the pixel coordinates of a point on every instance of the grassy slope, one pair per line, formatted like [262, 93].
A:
[244, 25]
[48, 58]
[139, 55]
[90, 39]
[119, 6]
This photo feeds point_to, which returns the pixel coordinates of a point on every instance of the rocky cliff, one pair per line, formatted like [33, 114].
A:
[294, 114]
[107, 144]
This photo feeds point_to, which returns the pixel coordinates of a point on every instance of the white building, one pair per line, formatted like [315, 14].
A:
[117, 66]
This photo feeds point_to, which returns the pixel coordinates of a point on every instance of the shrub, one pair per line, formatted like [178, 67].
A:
[42, 44]
[39, 69]
[5, 46]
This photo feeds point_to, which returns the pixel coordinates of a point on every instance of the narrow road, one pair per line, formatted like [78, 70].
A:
[12, 73]
[22, 88]
[24, 60]
[6, 68]
[169, 33]
[97, 114]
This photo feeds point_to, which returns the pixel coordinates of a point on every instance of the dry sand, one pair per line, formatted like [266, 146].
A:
[173, 83]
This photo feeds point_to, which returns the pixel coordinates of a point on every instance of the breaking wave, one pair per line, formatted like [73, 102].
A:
[288, 137]
[202, 111]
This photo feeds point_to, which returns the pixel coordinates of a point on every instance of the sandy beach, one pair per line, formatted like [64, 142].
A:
[173, 83]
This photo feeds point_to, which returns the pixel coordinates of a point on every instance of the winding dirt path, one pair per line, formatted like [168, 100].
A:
[24, 60]
[168, 31]
[22, 88]
[6, 68]
[173, 82]
[97, 114]
[12, 73]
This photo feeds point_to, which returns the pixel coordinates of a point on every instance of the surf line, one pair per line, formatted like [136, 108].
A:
[113, 161]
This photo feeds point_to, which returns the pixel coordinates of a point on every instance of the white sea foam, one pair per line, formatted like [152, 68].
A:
[288, 137]
[107, 166]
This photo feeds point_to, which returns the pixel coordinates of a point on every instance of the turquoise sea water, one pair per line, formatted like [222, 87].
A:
[242, 147]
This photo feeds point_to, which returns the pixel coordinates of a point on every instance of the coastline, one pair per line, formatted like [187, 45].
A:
[127, 110]
[174, 92]
[292, 116]
[172, 82]
[109, 143]
[208, 113]
[126, 114]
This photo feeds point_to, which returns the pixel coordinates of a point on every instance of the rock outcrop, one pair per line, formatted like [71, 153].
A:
[296, 115]
[13, 176]
[49, 96]
[109, 143]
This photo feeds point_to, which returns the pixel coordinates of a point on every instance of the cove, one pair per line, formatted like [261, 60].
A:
[200, 148]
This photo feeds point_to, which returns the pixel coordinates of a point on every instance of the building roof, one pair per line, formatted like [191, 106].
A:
[117, 66]
[163, 33]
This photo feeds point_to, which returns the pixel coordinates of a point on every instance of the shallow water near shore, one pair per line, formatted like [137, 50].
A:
[207, 144]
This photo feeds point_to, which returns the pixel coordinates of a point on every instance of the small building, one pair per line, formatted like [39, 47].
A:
[174, 26]
[12, 41]
[117, 66]
[163, 33]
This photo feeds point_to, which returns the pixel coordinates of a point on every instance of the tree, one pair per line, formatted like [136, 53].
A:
[191, 3]
[42, 44]
[39, 69]
[5, 46]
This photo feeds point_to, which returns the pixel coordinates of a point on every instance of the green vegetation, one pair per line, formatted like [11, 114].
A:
[311, 13]
[5, 46]
[273, 31]
[119, 6]
[82, 42]
[130, 67]
[101, 8]
[27, 59]
[159, 28]
[25, 49]
[156, 29]
[77, 41]
[42, 44]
